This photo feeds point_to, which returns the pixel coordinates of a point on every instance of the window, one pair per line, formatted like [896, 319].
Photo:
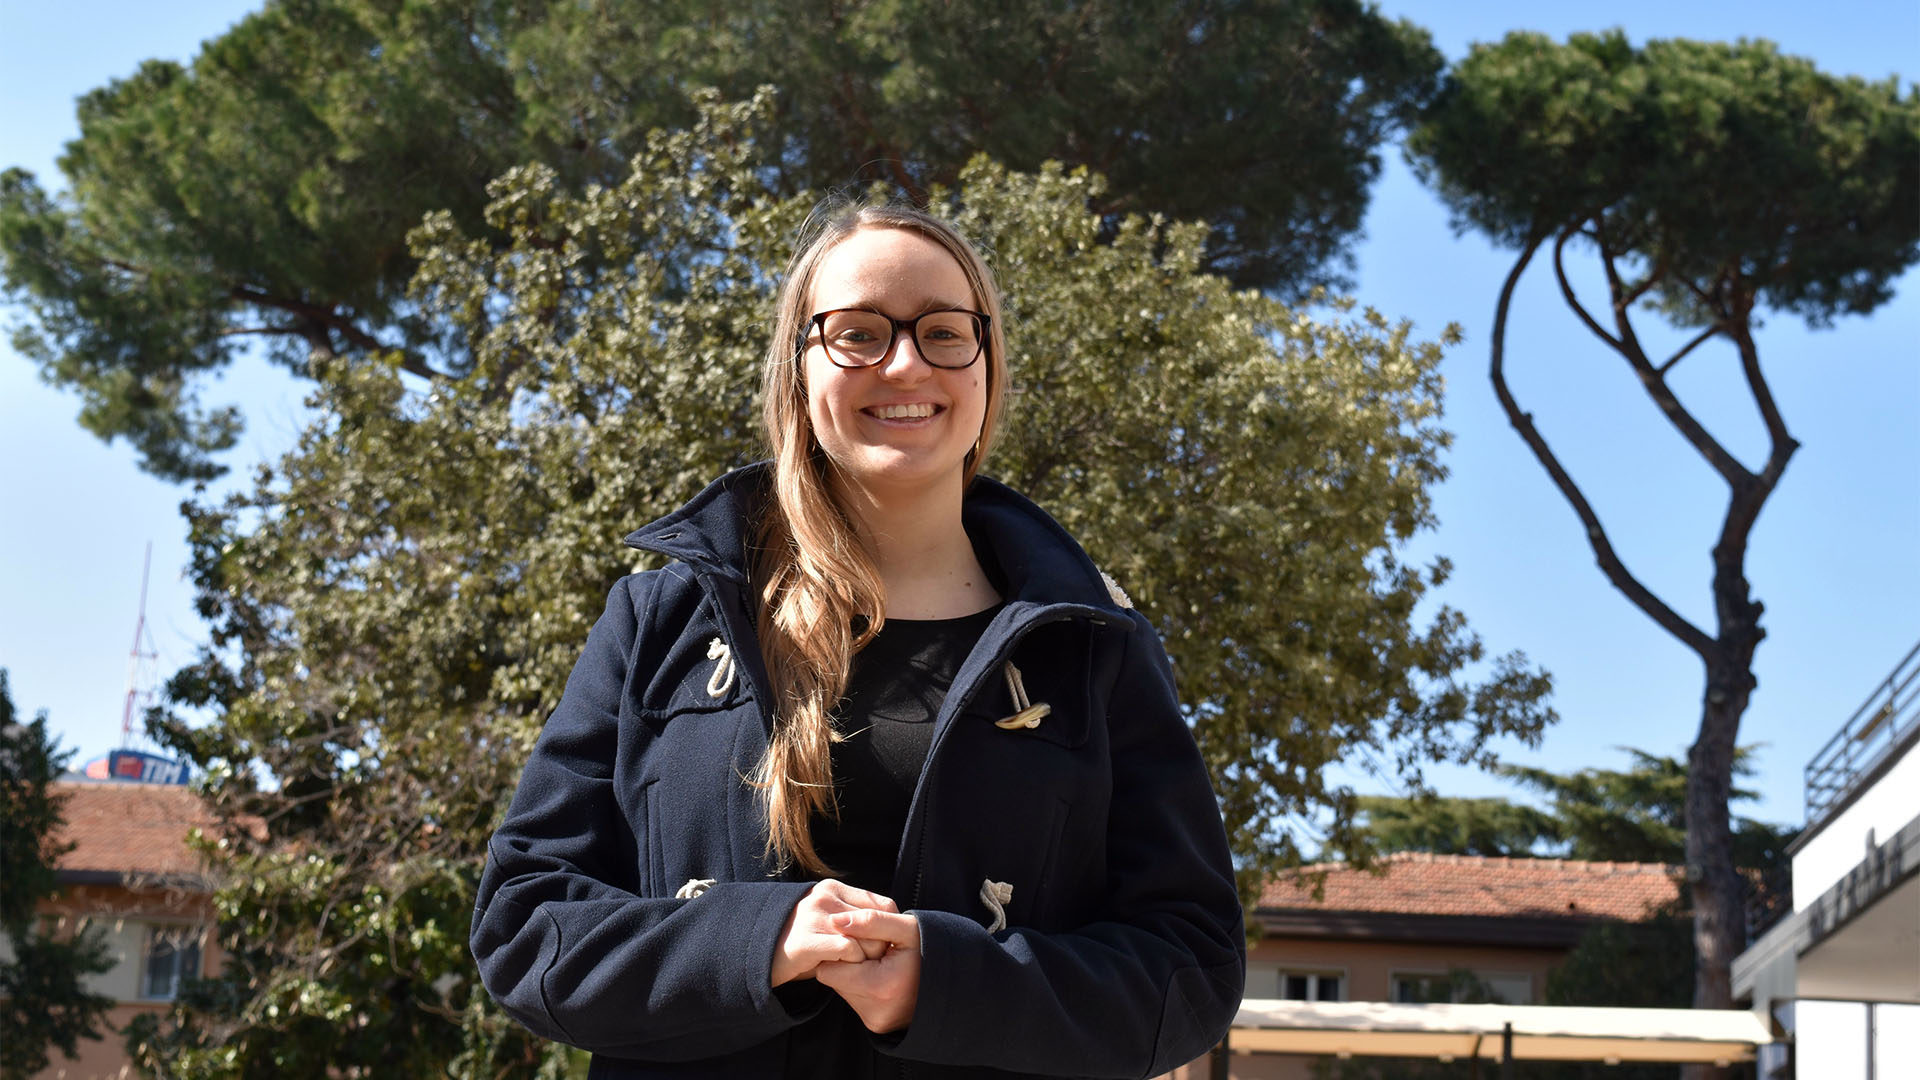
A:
[1312, 986]
[172, 956]
[1461, 985]
[1511, 987]
[1417, 988]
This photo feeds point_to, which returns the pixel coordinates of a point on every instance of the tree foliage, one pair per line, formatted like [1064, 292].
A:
[1637, 814]
[1450, 825]
[397, 603]
[1711, 181]
[263, 194]
[44, 1001]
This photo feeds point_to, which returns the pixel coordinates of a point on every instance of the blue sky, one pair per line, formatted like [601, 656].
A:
[1834, 556]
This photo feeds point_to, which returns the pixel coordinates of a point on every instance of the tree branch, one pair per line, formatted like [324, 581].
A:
[1609, 561]
[1689, 347]
[1683, 421]
[1566, 292]
[1739, 616]
[1654, 277]
[1711, 300]
[235, 331]
[328, 317]
[1616, 292]
[1783, 442]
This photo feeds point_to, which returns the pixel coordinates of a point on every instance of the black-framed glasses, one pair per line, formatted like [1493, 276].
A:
[857, 338]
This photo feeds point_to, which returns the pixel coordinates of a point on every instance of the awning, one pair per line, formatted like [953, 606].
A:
[1463, 1032]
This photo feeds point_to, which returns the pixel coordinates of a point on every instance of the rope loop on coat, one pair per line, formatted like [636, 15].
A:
[694, 887]
[1028, 715]
[996, 895]
[722, 680]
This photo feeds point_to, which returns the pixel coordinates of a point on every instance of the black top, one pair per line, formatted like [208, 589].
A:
[894, 690]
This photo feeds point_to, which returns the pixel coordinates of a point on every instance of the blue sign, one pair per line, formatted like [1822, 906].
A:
[137, 767]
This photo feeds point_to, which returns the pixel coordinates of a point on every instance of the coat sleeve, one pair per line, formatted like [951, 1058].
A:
[562, 939]
[1150, 985]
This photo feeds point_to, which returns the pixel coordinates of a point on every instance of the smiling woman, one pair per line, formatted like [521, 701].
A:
[879, 775]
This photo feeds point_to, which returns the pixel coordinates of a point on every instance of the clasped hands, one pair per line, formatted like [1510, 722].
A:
[858, 944]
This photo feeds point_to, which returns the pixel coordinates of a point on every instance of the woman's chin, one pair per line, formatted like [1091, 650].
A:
[891, 471]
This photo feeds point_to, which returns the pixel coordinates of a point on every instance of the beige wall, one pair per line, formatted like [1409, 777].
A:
[1369, 966]
[100, 1059]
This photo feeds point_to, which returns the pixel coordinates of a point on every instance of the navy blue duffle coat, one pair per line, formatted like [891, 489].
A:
[1122, 952]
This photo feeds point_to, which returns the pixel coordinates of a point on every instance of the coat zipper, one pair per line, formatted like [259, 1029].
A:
[925, 794]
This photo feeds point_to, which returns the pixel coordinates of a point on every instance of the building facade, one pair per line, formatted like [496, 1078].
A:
[132, 875]
[1409, 933]
[1839, 977]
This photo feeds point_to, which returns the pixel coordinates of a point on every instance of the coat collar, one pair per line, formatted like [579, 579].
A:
[1040, 563]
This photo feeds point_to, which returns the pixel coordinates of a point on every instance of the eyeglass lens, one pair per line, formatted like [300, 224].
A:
[948, 339]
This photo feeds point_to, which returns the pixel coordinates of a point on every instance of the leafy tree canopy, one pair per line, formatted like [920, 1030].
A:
[264, 193]
[1637, 814]
[397, 603]
[44, 1001]
[1457, 826]
[1722, 169]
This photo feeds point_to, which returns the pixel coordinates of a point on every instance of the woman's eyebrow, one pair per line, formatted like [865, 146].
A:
[932, 304]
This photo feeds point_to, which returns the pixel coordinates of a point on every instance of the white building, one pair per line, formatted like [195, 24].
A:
[1840, 977]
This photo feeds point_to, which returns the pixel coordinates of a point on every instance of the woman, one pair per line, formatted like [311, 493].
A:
[880, 776]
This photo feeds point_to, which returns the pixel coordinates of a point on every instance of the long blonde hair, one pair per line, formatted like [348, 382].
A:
[814, 572]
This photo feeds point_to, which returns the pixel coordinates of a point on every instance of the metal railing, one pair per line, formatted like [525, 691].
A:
[1869, 735]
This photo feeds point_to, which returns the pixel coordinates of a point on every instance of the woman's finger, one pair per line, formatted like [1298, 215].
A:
[841, 950]
[859, 898]
[870, 925]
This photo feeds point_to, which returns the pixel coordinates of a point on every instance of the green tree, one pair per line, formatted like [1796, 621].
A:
[396, 604]
[44, 1001]
[1448, 825]
[1636, 814]
[1710, 181]
[1639, 814]
[264, 193]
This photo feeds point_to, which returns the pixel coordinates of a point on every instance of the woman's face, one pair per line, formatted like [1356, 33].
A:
[901, 425]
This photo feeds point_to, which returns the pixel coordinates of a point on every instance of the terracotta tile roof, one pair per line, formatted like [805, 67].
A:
[1416, 883]
[130, 828]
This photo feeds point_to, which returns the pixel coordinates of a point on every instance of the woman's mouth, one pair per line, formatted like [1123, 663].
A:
[918, 410]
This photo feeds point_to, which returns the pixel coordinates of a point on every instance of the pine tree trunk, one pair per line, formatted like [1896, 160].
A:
[1719, 910]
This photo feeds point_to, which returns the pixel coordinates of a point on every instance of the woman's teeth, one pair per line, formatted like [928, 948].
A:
[903, 412]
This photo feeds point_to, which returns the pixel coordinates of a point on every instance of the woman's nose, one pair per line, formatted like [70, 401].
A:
[905, 361]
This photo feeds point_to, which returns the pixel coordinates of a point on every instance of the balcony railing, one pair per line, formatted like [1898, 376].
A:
[1869, 735]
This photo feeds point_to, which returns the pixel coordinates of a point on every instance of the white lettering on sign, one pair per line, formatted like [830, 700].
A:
[163, 772]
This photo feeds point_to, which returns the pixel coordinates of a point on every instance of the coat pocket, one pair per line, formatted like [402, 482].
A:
[652, 851]
[1058, 883]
